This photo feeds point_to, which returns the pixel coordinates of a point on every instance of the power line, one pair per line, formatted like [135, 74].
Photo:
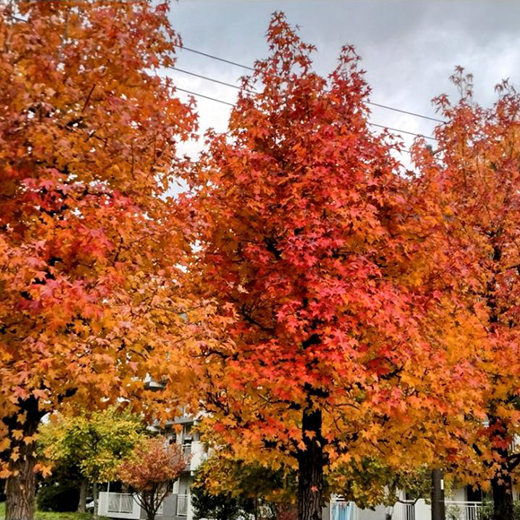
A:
[406, 112]
[210, 79]
[213, 57]
[403, 131]
[205, 97]
[207, 78]
[197, 94]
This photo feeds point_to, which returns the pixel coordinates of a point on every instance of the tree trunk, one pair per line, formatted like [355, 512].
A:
[437, 496]
[82, 504]
[150, 503]
[20, 488]
[96, 501]
[502, 497]
[501, 483]
[310, 467]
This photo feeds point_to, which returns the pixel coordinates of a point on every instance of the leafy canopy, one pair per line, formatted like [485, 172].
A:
[90, 247]
[96, 443]
[329, 280]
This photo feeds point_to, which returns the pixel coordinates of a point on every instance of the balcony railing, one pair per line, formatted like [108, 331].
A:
[455, 510]
[458, 510]
[182, 505]
[120, 503]
[404, 511]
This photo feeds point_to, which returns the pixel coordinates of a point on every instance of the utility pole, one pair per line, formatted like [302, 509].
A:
[438, 506]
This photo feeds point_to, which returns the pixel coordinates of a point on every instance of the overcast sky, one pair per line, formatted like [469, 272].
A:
[409, 48]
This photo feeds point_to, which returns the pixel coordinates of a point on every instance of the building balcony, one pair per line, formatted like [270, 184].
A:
[420, 510]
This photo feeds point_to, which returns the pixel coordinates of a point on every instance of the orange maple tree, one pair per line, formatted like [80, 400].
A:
[326, 348]
[88, 134]
[477, 178]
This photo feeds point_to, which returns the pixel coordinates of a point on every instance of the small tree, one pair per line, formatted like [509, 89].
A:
[151, 470]
[95, 443]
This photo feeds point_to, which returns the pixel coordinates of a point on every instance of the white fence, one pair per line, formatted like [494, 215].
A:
[455, 510]
[120, 503]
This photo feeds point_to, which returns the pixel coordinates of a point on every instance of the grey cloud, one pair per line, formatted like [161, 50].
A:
[409, 48]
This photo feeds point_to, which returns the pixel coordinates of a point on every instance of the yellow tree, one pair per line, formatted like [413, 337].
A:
[95, 443]
[88, 134]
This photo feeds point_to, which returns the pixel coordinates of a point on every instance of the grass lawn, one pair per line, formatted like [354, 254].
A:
[53, 516]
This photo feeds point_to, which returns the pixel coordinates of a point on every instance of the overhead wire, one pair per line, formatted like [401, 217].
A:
[213, 57]
[207, 78]
[210, 98]
[197, 94]
[247, 67]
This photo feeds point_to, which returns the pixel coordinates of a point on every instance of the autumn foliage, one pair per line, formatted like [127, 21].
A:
[151, 471]
[89, 252]
[335, 316]
[477, 189]
[326, 283]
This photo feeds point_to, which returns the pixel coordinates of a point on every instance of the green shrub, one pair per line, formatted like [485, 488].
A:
[486, 513]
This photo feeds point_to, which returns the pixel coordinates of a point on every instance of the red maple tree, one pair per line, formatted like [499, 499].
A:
[151, 471]
[321, 277]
